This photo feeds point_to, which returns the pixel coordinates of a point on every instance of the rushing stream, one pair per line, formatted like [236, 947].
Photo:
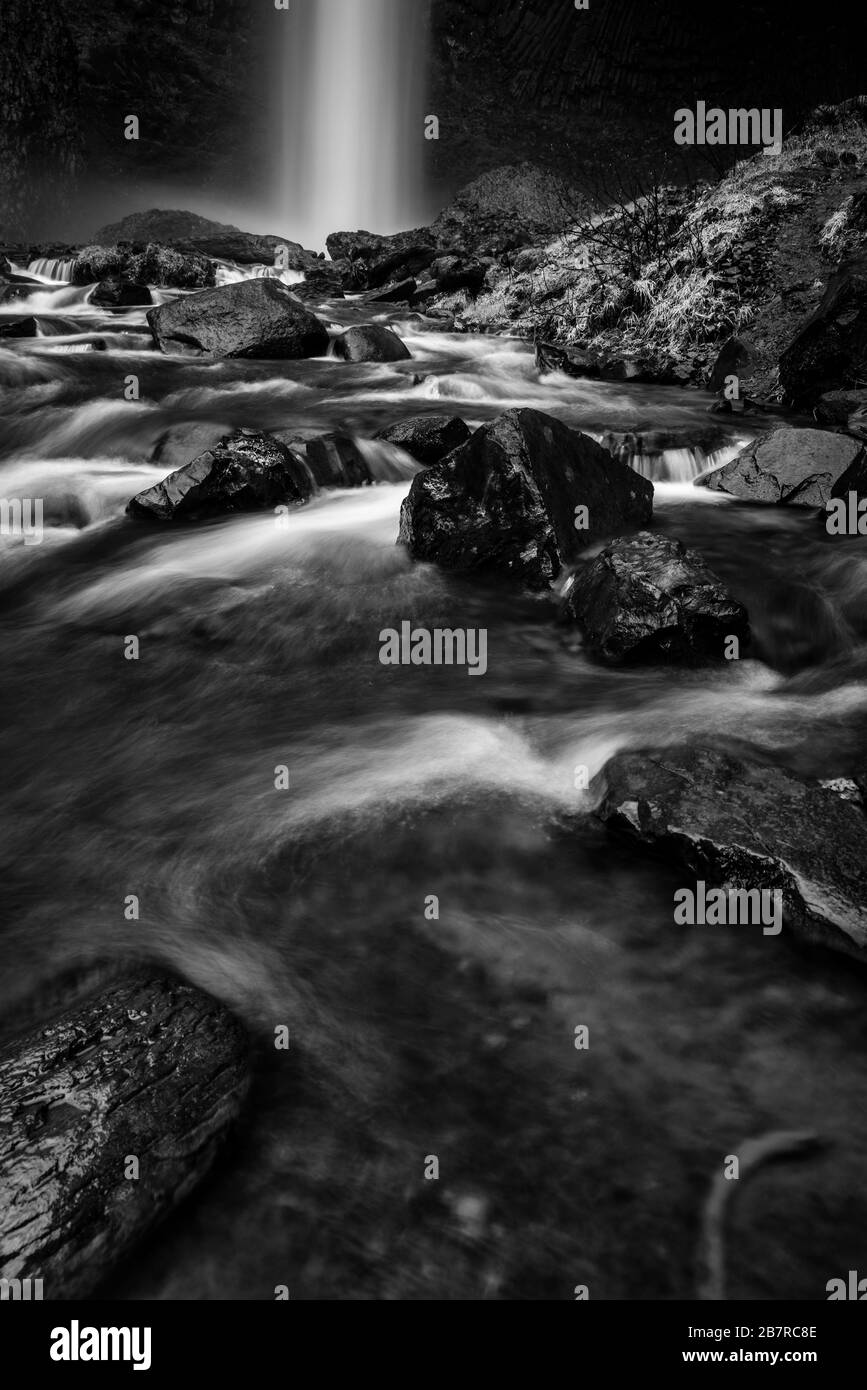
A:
[411, 1037]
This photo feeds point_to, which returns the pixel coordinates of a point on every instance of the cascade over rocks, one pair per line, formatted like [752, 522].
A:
[798, 467]
[370, 342]
[246, 472]
[427, 438]
[648, 598]
[255, 318]
[506, 500]
[737, 823]
[149, 1068]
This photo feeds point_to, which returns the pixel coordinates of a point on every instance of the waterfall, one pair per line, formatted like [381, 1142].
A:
[351, 84]
[48, 268]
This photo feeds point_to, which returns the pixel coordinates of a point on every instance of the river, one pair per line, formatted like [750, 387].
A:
[410, 1037]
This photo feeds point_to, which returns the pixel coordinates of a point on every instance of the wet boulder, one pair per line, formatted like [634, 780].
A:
[20, 328]
[119, 294]
[245, 472]
[737, 357]
[830, 351]
[735, 824]
[647, 598]
[791, 466]
[254, 318]
[523, 496]
[370, 342]
[149, 1070]
[427, 438]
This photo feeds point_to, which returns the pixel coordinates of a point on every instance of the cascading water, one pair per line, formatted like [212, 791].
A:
[350, 85]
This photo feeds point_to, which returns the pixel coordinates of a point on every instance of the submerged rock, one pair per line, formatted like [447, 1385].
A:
[335, 460]
[119, 293]
[149, 1070]
[507, 500]
[254, 318]
[797, 467]
[427, 438]
[370, 342]
[740, 824]
[246, 472]
[648, 598]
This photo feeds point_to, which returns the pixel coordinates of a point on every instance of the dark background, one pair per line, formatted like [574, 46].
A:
[509, 79]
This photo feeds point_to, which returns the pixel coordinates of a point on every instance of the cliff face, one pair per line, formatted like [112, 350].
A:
[40, 137]
[523, 79]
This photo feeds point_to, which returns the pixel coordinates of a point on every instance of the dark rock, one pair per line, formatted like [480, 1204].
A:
[837, 407]
[853, 480]
[454, 273]
[335, 460]
[246, 472]
[377, 260]
[19, 328]
[190, 233]
[427, 438]
[255, 318]
[574, 361]
[402, 291]
[146, 265]
[506, 500]
[149, 1068]
[118, 293]
[647, 598]
[370, 342]
[830, 351]
[798, 467]
[737, 357]
[740, 824]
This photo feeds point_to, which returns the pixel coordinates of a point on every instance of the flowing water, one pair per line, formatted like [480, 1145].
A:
[413, 1037]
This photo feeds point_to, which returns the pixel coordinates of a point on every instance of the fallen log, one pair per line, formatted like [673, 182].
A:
[109, 1116]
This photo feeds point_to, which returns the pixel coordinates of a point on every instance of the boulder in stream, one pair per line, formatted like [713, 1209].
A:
[149, 1070]
[253, 318]
[427, 438]
[335, 460]
[370, 342]
[523, 496]
[739, 824]
[246, 472]
[798, 467]
[647, 598]
[118, 294]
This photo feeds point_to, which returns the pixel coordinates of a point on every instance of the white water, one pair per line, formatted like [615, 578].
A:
[351, 93]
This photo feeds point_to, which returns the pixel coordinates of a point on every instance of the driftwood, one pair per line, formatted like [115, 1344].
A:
[109, 1117]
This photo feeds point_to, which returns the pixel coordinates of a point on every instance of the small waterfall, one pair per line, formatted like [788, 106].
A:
[351, 84]
[49, 269]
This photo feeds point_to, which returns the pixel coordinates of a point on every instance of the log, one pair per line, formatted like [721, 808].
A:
[109, 1117]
